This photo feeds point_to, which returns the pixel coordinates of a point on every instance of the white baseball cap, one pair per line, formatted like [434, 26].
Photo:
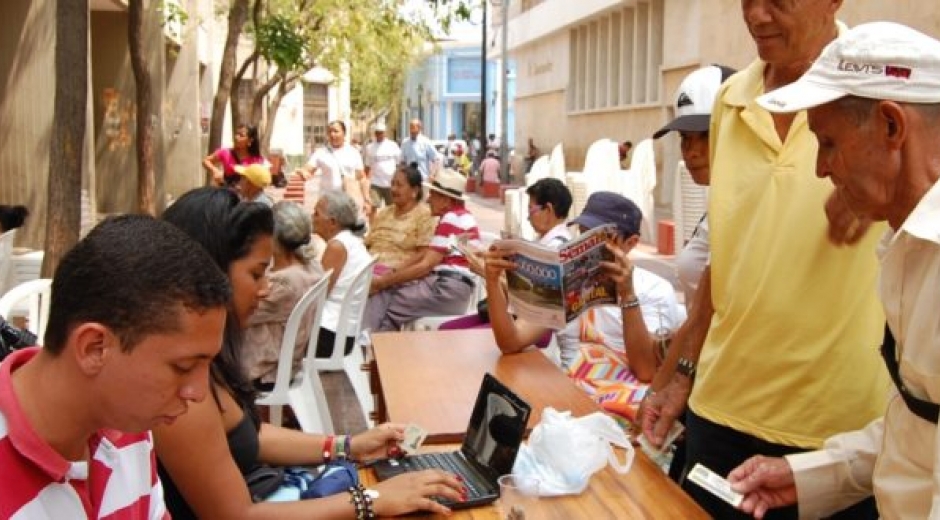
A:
[878, 60]
[695, 98]
[379, 127]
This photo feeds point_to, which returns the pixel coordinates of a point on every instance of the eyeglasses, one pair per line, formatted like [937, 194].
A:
[535, 209]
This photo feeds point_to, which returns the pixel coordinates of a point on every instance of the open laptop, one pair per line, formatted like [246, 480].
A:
[497, 426]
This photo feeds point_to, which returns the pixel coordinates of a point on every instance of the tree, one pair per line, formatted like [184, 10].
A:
[236, 20]
[63, 221]
[146, 181]
[293, 36]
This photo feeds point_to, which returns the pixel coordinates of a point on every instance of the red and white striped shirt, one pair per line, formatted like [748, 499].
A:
[455, 222]
[119, 482]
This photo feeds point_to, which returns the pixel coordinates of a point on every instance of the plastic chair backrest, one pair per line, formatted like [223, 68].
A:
[350, 317]
[37, 295]
[6, 257]
[314, 299]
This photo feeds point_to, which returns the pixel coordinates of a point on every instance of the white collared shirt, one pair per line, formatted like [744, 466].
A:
[556, 237]
[896, 456]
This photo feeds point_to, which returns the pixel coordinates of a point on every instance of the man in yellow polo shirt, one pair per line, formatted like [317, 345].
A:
[782, 343]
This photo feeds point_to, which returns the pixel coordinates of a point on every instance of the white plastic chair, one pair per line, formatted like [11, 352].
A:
[639, 185]
[349, 326]
[303, 393]
[601, 166]
[556, 163]
[36, 295]
[6, 258]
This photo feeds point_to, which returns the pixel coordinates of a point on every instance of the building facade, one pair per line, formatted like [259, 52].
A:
[443, 91]
[597, 69]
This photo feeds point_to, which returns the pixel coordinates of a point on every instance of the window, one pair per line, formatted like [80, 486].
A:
[316, 113]
[616, 59]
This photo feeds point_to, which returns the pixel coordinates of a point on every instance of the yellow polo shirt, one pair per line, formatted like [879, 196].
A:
[792, 353]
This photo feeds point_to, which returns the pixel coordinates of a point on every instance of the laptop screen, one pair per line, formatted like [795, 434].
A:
[497, 426]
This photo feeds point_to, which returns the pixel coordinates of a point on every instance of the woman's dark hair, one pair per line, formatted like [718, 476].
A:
[12, 217]
[254, 147]
[227, 229]
[413, 178]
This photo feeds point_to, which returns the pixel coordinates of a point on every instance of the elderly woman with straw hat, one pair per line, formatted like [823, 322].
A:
[436, 280]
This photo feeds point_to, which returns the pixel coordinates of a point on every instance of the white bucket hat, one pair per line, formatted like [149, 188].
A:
[879, 60]
[448, 182]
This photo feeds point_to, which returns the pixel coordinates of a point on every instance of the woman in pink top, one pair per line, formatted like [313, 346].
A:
[246, 150]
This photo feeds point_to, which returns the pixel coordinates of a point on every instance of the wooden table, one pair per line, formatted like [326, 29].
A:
[432, 379]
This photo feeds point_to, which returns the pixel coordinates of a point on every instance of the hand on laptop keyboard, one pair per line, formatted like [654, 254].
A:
[415, 491]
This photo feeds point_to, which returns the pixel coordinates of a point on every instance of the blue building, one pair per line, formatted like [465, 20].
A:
[443, 91]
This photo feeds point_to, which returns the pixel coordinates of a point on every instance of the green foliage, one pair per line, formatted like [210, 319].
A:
[173, 12]
[279, 42]
[375, 39]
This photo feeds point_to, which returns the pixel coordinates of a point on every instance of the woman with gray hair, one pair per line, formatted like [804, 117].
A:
[336, 220]
[292, 272]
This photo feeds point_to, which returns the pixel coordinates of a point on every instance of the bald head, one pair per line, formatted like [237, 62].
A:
[414, 128]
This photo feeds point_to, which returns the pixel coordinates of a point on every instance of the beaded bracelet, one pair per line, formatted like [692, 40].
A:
[362, 502]
[340, 445]
[328, 448]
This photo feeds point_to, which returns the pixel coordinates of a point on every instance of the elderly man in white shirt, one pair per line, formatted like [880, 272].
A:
[874, 99]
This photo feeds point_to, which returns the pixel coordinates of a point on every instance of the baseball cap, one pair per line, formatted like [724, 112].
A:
[257, 174]
[607, 207]
[695, 98]
[379, 127]
[878, 60]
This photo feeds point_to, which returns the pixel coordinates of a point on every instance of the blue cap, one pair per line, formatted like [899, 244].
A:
[607, 207]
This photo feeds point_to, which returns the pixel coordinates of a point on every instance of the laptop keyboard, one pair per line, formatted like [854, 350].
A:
[477, 486]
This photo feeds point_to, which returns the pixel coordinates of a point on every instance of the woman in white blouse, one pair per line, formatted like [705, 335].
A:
[340, 166]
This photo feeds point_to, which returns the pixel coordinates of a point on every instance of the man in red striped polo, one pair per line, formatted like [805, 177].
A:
[137, 313]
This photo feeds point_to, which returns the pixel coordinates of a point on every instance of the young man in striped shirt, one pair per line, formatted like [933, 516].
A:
[137, 313]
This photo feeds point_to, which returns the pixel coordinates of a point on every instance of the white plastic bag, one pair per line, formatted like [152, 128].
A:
[563, 452]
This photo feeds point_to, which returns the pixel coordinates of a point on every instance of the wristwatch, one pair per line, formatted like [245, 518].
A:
[686, 367]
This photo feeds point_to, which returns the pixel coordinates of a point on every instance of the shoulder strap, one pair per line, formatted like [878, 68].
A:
[926, 410]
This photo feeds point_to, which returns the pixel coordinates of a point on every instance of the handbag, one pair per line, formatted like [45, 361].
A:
[263, 481]
[483, 311]
[606, 377]
[13, 338]
[299, 483]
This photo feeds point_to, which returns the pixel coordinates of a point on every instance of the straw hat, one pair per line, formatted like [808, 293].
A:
[448, 182]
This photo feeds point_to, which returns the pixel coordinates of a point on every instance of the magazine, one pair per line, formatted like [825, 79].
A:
[551, 287]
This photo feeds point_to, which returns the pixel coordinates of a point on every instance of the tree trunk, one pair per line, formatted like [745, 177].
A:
[236, 20]
[146, 180]
[282, 90]
[257, 100]
[237, 116]
[63, 220]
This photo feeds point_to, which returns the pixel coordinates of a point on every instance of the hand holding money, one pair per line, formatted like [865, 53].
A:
[765, 482]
